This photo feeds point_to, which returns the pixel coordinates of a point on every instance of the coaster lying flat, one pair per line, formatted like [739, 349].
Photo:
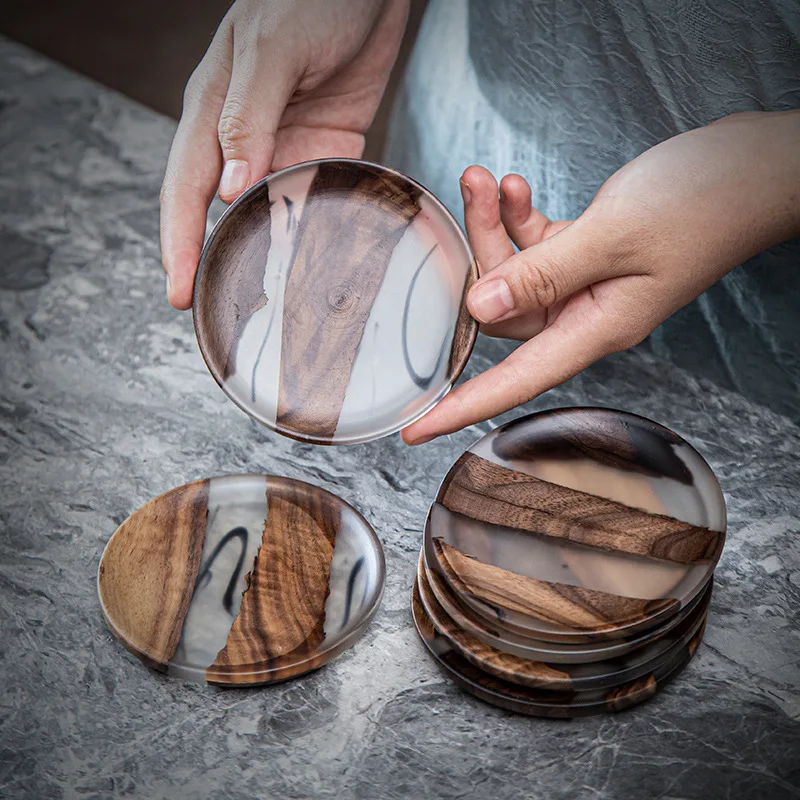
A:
[541, 702]
[329, 301]
[577, 525]
[494, 635]
[241, 580]
[523, 671]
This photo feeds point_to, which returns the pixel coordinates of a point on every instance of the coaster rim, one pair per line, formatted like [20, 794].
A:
[589, 703]
[559, 653]
[569, 683]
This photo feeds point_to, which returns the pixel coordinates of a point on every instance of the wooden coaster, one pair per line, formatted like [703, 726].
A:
[241, 580]
[528, 647]
[597, 674]
[577, 525]
[541, 702]
[329, 301]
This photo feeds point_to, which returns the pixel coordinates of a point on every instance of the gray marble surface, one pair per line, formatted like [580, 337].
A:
[105, 402]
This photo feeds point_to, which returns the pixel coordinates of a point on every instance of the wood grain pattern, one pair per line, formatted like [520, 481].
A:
[230, 281]
[344, 244]
[280, 625]
[148, 572]
[503, 665]
[529, 647]
[629, 695]
[617, 440]
[466, 331]
[534, 701]
[528, 672]
[562, 604]
[489, 492]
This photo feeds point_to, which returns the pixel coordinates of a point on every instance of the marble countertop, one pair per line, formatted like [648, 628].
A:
[105, 402]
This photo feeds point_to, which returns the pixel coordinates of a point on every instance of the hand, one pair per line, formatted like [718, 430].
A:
[659, 232]
[283, 81]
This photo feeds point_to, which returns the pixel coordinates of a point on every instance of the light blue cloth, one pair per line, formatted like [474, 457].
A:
[565, 92]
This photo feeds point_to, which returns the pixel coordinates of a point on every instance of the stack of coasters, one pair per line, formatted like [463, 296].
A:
[568, 559]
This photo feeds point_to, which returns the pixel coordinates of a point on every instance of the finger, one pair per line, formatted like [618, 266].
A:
[545, 274]
[193, 171]
[575, 341]
[525, 225]
[487, 236]
[263, 79]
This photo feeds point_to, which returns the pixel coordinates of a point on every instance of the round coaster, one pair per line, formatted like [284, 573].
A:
[597, 674]
[241, 580]
[541, 649]
[329, 301]
[541, 702]
[578, 524]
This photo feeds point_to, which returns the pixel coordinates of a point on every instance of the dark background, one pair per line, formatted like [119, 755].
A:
[147, 49]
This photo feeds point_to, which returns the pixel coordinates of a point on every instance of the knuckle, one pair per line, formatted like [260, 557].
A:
[233, 130]
[537, 286]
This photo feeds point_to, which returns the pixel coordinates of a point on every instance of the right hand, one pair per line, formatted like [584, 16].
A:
[283, 81]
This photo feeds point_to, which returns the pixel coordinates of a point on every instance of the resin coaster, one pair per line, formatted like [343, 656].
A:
[329, 301]
[577, 525]
[542, 702]
[241, 580]
[494, 635]
[538, 674]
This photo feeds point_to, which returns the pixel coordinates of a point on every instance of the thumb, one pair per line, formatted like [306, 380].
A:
[542, 275]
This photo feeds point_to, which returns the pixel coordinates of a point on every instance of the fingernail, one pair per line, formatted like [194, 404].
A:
[491, 300]
[235, 177]
[169, 286]
[465, 192]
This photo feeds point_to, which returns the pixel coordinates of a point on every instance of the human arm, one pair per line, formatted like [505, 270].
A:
[659, 232]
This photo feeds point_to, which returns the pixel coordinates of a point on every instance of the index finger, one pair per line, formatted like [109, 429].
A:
[191, 180]
[555, 355]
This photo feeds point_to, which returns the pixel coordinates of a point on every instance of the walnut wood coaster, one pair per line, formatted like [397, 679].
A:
[241, 580]
[329, 301]
[576, 544]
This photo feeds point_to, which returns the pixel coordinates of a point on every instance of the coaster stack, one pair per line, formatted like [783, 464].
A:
[568, 560]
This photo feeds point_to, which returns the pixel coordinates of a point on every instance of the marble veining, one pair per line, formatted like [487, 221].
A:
[105, 402]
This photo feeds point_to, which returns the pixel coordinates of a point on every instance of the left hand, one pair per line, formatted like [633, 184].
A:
[659, 232]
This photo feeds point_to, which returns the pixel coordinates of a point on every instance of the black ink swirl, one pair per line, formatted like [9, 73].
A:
[204, 575]
[423, 381]
[351, 582]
